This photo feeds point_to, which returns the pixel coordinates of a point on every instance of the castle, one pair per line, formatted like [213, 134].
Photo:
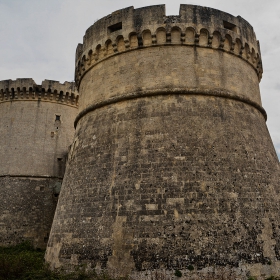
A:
[171, 164]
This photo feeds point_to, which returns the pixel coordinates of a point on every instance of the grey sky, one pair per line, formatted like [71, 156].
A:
[39, 38]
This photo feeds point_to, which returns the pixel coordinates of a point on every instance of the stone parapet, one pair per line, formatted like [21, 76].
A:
[129, 29]
[27, 89]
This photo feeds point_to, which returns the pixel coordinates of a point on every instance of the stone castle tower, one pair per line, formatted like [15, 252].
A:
[172, 164]
[35, 132]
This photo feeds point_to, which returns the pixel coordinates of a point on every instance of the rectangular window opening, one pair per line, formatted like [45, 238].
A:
[57, 117]
[230, 26]
[115, 27]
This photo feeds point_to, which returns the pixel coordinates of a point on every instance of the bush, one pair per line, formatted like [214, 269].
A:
[23, 262]
[190, 268]
[178, 273]
[16, 262]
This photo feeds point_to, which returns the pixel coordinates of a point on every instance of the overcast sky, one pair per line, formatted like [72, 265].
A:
[39, 39]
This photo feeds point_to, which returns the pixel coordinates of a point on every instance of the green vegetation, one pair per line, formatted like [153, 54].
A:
[22, 262]
[19, 262]
[178, 273]
[190, 268]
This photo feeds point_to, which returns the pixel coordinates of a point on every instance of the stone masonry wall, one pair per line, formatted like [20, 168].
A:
[169, 181]
[172, 164]
[27, 209]
[37, 127]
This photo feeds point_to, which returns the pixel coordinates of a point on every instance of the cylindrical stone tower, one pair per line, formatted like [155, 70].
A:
[37, 127]
[172, 164]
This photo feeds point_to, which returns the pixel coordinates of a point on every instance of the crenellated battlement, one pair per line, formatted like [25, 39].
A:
[27, 89]
[129, 29]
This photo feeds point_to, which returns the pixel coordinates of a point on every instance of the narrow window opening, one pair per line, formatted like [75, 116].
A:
[59, 159]
[230, 26]
[57, 117]
[115, 27]
[13, 93]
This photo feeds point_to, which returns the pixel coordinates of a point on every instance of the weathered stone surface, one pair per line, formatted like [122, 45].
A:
[27, 209]
[35, 133]
[172, 164]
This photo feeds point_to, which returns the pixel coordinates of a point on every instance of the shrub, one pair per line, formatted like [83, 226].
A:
[178, 273]
[190, 268]
[23, 262]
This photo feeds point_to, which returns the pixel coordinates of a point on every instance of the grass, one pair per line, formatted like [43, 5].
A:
[18, 262]
[23, 262]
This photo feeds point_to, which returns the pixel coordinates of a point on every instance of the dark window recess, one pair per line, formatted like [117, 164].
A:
[115, 27]
[230, 26]
[57, 117]
[59, 159]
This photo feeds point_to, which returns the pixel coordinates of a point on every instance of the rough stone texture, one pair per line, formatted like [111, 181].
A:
[172, 164]
[35, 133]
[27, 209]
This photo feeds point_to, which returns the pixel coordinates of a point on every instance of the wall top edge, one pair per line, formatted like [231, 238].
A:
[46, 85]
[129, 20]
